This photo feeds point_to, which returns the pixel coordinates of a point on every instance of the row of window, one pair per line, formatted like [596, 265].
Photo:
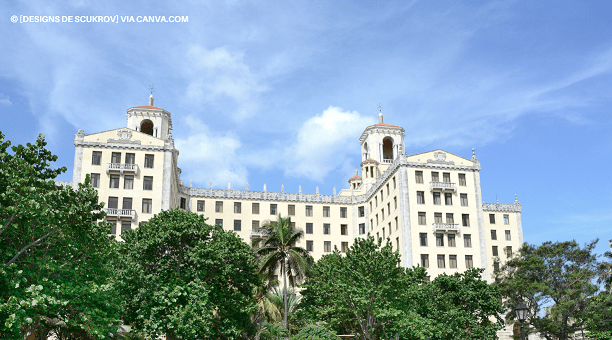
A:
[507, 250]
[113, 203]
[492, 218]
[383, 209]
[494, 235]
[130, 158]
[435, 177]
[437, 198]
[201, 206]
[450, 218]
[467, 240]
[128, 181]
[125, 227]
[327, 247]
[452, 261]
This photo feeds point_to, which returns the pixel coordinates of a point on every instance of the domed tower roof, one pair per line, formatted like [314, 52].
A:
[150, 119]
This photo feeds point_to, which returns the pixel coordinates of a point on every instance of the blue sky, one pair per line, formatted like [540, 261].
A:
[278, 92]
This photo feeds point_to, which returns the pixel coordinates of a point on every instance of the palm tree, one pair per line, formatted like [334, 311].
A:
[276, 249]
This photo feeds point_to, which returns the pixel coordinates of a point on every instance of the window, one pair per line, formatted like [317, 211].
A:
[452, 261]
[464, 202]
[509, 251]
[326, 228]
[255, 208]
[200, 205]
[389, 228]
[361, 228]
[308, 228]
[435, 176]
[508, 237]
[96, 158]
[425, 260]
[344, 246]
[397, 243]
[361, 211]
[183, 202]
[291, 210]
[449, 218]
[126, 226]
[237, 207]
[446, 177]
[396, 224]
[113, 227]
[327, 246]
[344, 229]
[116, 157]
[418, 176]
[127, 203]
[420, 197]
[255, 225]
[237, 225]
[376, 219]
[436, 198]
[218, 206]
[448, 198]
[149, 161]
[387, 189]
[388, 208]
[395, 202]
[128, 182]
[114, 181]
[440, 240]
[492, 218]
[438, 217]
[147, 183]
[467, 240]
[495, 252]
[292, 224]
[129, 158]
[219, 222]
[469, 263]
[394, 184]
[382, 212]
[441, 261]
[465, 220]
[451, 240]
[95, 180]
[342, 212]
[422, 218]
[309, 210]
[493, 234]
[423, 238]
[462, 180]
[506, 219]
[383, 233]
[376, 201]
[325, 211]
[308, 245]
[113, 202]
[370, 206]
[272, 209]
[496, 266]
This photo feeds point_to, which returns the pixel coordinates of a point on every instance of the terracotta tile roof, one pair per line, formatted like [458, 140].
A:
[385, 124]
[148, 107]
[356, 177]
[368, 160]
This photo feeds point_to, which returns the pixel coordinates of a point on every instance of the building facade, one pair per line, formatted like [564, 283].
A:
[428, 205]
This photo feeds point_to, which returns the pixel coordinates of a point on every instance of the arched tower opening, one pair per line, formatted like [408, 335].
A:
[146, 126]
[366, 154]
[388, 149]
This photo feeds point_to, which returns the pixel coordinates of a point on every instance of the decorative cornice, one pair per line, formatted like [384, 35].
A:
[121, 145]
[475, 167]
[390, 130]
[112, 140]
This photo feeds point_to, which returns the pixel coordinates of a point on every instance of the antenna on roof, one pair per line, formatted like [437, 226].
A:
[151, 89]
[380, 107]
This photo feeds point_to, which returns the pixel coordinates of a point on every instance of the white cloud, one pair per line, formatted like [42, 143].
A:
[322, 143]
[4, 100]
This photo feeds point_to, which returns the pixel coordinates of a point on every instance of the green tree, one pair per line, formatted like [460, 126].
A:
[184, 278]
[556, 281]
[314, 332]
[55, 274]
[277, 250]
[598, 319]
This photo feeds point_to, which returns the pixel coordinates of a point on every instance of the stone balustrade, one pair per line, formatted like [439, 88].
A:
[443, 186]
[122, 167]
[446, 227]
[130, 213]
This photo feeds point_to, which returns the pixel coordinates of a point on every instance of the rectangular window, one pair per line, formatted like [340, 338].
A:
[272, 209]
[446, 177]
[493, 234]
[130, 158]
[425, 260]
[496, 266]
[388, 208]
[376, 201]
[343, 212]
[420, 197]
[327, 246]
[396, 223]
[394, 184]
[237, 225]
[450, 218]
[467, 240]
[128, 182]
[422, 218]
[96, 158]
[464, 201]
[361, 211]
[114, 181]
[149, 161]
[452, 261]
[200, 205]
[237, 208]
[495, 252]
[441, 263]
[116, 157]
[435, 176]
[291, 210]
[308, 245]
[469, 263]
[361, 228]
[448, 198]
[95, 180]
[509, 251]
[397, 243]
[325, 211]
[451, 240]
[436, 198]
[383, 214]
[508, 237]
[376, 219]
[219, 222]
[255, 208]
[293, 225]
[113, 203]
[113, 227]
[183, 202]
[387, 189]
[309, 210]
[438, 217]
[465, 220]
[492, 218]
[506, 219]
[218, 206]
[147, 183]
[418, 176]
[462, 180]
[326, 228]
[395, 202]
[344, 247]
[344, 229]
[423, 238]
[127, 203]
[255, 225]
[126, 226]
[383, 233]
[440, 240]
[308, 228]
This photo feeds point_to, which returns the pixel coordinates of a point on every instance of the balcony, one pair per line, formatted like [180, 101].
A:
[444, 186]
[446, 227]
[122, 167]
[387, 161]
[258, 233]
[118, 213]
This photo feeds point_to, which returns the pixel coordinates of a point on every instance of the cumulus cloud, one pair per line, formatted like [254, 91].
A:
[322, 143]
[4, 100]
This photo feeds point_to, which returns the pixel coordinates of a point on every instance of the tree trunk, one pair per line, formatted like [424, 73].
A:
[285, 293]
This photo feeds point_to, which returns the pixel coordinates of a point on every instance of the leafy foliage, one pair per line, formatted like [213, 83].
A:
[598, 319]
[315, 332]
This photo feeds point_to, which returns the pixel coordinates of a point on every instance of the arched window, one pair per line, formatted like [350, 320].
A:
[146, 126]
[365, 151]
[388, 148]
